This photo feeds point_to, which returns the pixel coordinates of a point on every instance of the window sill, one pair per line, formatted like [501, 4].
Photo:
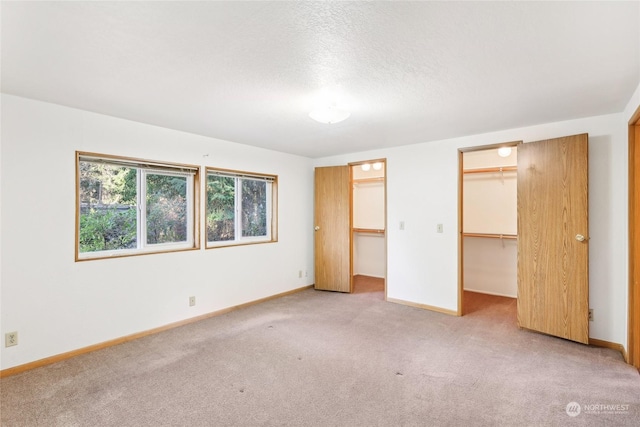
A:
[91, 256]
[241, 243]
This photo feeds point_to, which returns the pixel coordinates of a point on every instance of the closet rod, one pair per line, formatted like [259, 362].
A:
[369, 230]
[491, 235]
[490, 170]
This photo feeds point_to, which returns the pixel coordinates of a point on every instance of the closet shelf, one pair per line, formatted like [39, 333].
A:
[369, 230]
[491, 235]
[492, 170]
[365, 180]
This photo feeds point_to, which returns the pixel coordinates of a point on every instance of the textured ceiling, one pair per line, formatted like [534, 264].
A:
[250, 72]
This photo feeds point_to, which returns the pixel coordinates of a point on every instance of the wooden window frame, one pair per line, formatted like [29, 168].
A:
[151, 165]
[272, 208]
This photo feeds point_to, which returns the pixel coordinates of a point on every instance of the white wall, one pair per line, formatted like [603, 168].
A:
[368, 205]
[632, 105]
[58, 305]
[491, 266]
[422, 191]
[490, 202]
[369, 255]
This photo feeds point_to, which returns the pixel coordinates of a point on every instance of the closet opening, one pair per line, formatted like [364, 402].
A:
[368, 228]
[488, 238]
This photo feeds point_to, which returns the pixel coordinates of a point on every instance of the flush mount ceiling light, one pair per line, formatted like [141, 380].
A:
[329, 114]
[377, 166]
[365, 167]
[504, 151]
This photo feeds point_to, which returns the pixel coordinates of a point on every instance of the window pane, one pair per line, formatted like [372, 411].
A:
[221, 192]
[108, 213]
[254, 208]
[166, 208]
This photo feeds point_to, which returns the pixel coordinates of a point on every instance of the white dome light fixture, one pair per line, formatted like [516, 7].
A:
[377, 166]
[365, 167]
[504, 151]
[329, 114]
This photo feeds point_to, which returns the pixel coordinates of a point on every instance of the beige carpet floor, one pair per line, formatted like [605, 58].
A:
[328, 359]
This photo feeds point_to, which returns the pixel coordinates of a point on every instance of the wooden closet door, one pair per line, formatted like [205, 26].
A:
[553, 235]
[333, 229]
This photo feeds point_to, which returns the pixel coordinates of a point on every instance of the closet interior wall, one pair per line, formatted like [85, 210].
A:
[490, 222]
[369, 257]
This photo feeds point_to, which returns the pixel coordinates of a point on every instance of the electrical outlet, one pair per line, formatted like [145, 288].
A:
[192, 301]
[299, 273]
[11, 339]
[591, 315]
[306, 274]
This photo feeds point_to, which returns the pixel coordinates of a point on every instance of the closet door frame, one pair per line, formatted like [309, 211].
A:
[461, 151]
[633, 333]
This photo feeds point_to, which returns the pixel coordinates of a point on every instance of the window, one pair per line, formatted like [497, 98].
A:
[240, 208]
[129, 207]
